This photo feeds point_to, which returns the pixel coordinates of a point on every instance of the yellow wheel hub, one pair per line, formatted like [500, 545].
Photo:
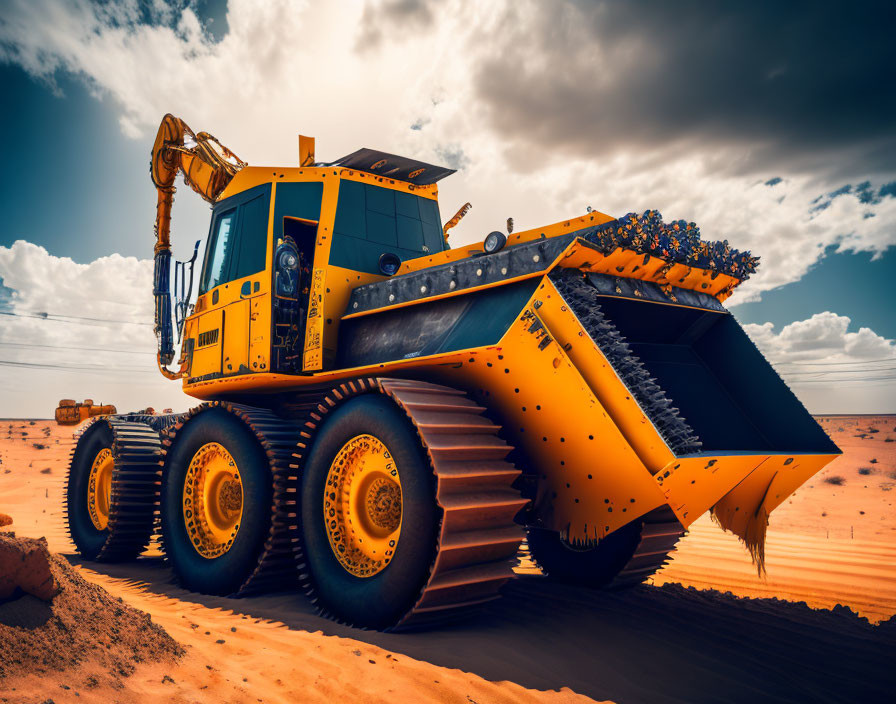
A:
[99, 488]
[213, 500]
[362, 506]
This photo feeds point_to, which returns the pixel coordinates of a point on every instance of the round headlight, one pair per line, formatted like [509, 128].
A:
[494, 241]
[288, 260]
[389, 263]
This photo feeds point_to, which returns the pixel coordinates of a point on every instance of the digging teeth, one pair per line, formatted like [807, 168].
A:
[582, 300]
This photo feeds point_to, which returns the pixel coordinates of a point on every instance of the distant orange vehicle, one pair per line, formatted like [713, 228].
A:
[69, 412]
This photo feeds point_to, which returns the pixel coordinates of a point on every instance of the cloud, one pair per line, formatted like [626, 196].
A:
[546, 108]
[785, 81]
[389, 15]
[830, 368]
[71, 330]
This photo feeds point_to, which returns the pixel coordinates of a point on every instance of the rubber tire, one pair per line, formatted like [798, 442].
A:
[85, 535]
[222, 575]
[379, 601]
[593, 567]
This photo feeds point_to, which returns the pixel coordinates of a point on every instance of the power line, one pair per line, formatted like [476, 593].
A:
[842, 381]
[77, 367]
[831, 364]
[84, 349]
[58, 318]
[842, 371]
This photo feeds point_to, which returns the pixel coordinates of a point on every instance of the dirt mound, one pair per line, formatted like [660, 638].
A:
[5, 520]
[52, 619]
[25, 567]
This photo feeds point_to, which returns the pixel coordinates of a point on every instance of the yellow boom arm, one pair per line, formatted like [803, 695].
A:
[207, 167]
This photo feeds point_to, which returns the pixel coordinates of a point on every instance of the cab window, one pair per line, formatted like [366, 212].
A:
[238, 239]
[371, 220]
[215, 273]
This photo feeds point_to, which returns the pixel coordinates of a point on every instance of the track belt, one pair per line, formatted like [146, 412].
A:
[478, 538]
[659, 533]
[136, 483]
[276, 565]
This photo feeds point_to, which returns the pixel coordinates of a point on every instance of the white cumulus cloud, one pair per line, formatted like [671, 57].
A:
[828, 367]
[72, 330]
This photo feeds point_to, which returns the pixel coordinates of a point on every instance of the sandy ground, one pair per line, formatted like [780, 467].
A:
[830, 544]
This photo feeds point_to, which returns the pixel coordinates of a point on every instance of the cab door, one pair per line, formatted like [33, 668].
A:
[234, 286]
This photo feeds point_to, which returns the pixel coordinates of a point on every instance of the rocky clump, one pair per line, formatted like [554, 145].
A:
[51, 619]
[25, 569]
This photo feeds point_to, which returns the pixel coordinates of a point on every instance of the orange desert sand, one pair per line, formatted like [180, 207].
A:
[833, 543]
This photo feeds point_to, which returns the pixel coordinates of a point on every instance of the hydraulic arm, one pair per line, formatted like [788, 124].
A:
[207, 167]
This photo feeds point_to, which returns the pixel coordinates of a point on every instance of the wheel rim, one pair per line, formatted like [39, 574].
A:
[362, 506]
[213, 500]
[99, 488]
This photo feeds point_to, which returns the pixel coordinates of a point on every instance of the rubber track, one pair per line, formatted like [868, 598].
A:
[136, 483]
[660, 532]
[478, 538]
[276, 565]
[582, 299]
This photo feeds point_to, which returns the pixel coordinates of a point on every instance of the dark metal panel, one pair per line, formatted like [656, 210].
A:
[621, 287]
[434, 327]
[759, 392]
[509, 263]
[401, 168]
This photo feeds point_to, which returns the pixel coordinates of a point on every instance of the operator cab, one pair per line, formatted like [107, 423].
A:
[284, 251]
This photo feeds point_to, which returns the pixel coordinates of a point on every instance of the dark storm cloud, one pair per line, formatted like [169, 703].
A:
[392, 16]
[806, 84]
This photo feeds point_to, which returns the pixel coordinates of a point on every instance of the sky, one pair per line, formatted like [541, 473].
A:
[769, 124]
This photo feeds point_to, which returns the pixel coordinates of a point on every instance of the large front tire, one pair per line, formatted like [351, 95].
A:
[367, 478]
[216, 503]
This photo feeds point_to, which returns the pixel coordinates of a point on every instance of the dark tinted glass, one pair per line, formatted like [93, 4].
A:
[429, 211]
[238, 239]
[371, 220]
[380, 200]
[217, 259]
[410, 233]
[350, 213]
[298, 200]
[253, 238]
[406, 204]
[381, 228]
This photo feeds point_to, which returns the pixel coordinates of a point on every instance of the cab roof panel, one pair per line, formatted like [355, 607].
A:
[393, 166]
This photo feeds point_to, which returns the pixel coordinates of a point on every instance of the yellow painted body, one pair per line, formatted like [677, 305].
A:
[599, 460]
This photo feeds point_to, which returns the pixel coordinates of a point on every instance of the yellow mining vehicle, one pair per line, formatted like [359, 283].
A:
[385, 418]
[70, 412]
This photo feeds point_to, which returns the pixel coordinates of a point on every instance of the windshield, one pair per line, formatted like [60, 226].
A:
[215, 273]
